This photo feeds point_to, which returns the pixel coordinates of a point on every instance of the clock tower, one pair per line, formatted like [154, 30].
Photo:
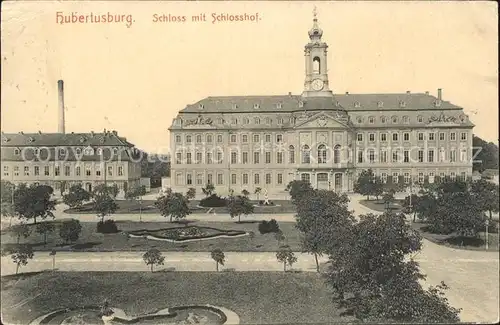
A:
[315, 52]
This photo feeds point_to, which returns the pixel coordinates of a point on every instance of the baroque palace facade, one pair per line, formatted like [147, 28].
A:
[249, 142]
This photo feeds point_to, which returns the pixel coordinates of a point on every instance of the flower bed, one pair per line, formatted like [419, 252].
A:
[184, 234]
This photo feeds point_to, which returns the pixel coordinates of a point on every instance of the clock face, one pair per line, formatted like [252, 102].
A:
[317, 84]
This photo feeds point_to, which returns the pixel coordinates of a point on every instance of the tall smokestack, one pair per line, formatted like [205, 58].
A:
[60, 91]
[440, 94]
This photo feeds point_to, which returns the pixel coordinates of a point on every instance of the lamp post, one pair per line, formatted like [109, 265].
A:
[486, 235]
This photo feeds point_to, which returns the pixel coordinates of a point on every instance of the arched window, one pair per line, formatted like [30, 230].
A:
[306, 154]
[321, 154]
[316, 65]
[256, 120]
[198, 138]
[291, 154]
[209, 138]
[336, 154]
[245, 120]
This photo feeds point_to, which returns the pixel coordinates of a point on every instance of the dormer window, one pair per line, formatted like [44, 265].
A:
[278, 105]
[115, 151]
[268, 120]
[36, 151]
[337, 104]
[31, 139]
[234, 121]
[99, 151]
[402, 104]
[256, 106]
[420, 119]
[394, 119]
[371, 120]
[16, 151]
[380, 104]
[220, 121]
[301, 104]
[406, 119]
[78, 151]
[383, 119]
[256, 120]
[245, 120]
[437, 103]
[280, 120]
[201, 106]
[62, 152]
[359, 119]
[235, 106]
[357, 104]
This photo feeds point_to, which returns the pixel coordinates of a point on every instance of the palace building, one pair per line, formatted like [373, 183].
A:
[247, 142]
[63, 159]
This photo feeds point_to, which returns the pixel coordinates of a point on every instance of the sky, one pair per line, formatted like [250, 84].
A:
[135, 79]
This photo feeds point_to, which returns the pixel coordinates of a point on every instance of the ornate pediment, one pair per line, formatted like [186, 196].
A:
[322, 120]
[198, 121]
[443, 119]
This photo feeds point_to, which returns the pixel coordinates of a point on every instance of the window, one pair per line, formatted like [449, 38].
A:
[233, 138]
[78, 151]
[394, 137]
[395, 177]
[279, 157]
[383, 137]
[268, 120]
[210, 179]
[306, 154]
[188, 139]
[453, 155]
[198, 138]
[322, 154]
[383, 119]
[268, 157]
[198, 158]
[268, 179]
[234, 121]
[407, 178]
[360, 136]
[394, 119]
[66, 171]
[16, 170]
[256, 157]
[256, 106]
[406, 136]
[88, 170]
[268, 138]
[233, 179]
[220, 121]
[219, 138]
[463, 176]
[291, 154]
[359, 119]
[57, 170]
[188, 158]
[6, 170]
[220, 179]
[360, 156]
[463, 155]
[62, 151]
[371, 120]
[209, 138]
[280, 179]
[371, 137]
[305, 177]
[219, 157]
[420, 119]
[244, 179]
[430, 155]
[256, 120]
[463, 136]
[406, 119]
[209, 158]
[336, 154]
[371, 155]
[395, 156]
[256, 179]
[453, 175]
[98, 171]
[453, 136]
[256, 138]
[36, 172]
[383, 156]
[383, 176]
[244, 138]
[199, 179]
[16, 151]
[421, 178]
[431, 136]
[280, 121]
[178, 158]
[244, 158]
[420, 156]
[120, 171]
[279, 137]
[406, 156]
[189, 179]
[420, 136]
[442, 155]
[26, 170]
[246, 120]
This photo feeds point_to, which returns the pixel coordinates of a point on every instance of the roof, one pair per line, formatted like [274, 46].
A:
[51, 154]
[63, 139]
[290, 103]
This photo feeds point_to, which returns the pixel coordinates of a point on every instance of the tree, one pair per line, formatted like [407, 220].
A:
[245, 193]
[191, 193]
[409, 205]
[62, 187]
[373, 275]
[208, 190]
[21, 229]
[153, 257]
[486, 194]
[219, 257]
[43, 228]
[322, 218]
[388, 198]
[7, 199]
[487, 157]
[174, 205]
[136, 194]
[76, 196]
[279, 236]
[377, 188]
[297, 189]
[70, 230]
[257, 192]
[20, 255]
[33, 202]
[103, 202]
[286, 256]
[238, 205]
[53, 254]
[364, 185]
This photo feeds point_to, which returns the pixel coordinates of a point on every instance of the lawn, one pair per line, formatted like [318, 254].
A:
[148, 207]
[378, 205]
[257, 297]
[90, 240]
[455, 241]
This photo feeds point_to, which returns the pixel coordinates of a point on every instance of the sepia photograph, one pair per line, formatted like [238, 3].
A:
[249, 162]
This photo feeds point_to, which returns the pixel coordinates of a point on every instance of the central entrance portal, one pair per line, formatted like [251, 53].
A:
[322, 179]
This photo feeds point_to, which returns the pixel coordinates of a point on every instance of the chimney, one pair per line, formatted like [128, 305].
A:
[440, 93]
[408, 92]
[347, 93]
[60, 91]
[427, 93]
[290, 93]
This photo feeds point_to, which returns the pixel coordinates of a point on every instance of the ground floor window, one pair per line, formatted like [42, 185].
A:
[245, 179]
[407, 178]
[395, 177]
[268, 179]
[233, 179]
[421, 178]
[383, 176]
[280, 179]
[219, 179]
[305, 177]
